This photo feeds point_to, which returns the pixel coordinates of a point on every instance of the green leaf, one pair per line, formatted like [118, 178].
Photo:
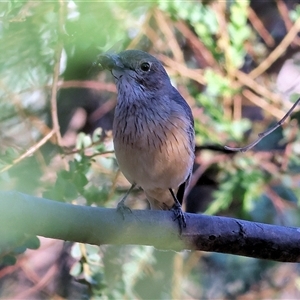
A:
[9, 260]
[76, 251]
[76, 269]
[33, 243]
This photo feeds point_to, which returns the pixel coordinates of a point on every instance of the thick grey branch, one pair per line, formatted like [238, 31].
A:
[38, 216]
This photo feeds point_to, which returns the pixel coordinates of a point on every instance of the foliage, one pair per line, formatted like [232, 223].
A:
[210, 50]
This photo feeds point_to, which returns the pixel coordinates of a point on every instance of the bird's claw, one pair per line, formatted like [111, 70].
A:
[122, 209]
[179, 215]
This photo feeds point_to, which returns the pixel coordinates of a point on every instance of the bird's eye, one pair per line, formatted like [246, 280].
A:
[145, 66]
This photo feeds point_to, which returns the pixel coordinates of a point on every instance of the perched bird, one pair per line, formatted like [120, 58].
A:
[153, 130]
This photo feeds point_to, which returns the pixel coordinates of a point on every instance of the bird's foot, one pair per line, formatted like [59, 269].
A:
[179, 215]
[122, 208]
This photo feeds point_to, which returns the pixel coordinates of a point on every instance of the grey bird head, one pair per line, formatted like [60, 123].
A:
[143, 71]
[142, 80]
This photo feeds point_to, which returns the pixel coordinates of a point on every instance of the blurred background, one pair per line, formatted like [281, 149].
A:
[237, 64]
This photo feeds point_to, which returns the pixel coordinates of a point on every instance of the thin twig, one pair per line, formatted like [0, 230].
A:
[148, 32]
[237, 107]
[223, 43]
[103, 153]
[242, 79]
[202, 168]
[277, 52]
[284, 12]
[203, 55]
[113, 186]
[245, 79]
[177, 276]
[143, 27]
[279, 203]
[192, 262]
[90, 156]
[263, 104]
[170, 37]
[56, 69]
[30, 151]
[288, 151]
[102, 110]
[90, 84]
[39, 285]
[53, 100]
[24, 12]
[195, 74]
[265, 133]
[266, 162]
[42, 127]
[260, 27]
[15, 99]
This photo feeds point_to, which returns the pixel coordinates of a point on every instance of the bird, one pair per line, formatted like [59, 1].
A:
[153, 130]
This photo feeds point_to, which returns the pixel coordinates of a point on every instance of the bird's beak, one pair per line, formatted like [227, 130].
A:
[109, 61]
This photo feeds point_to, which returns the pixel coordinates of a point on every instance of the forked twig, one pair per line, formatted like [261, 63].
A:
[264, 133]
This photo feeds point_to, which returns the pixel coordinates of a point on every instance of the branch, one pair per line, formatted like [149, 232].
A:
[38, 216]
[56, 69]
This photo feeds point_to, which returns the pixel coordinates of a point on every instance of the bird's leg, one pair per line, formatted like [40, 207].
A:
[178, 213]
[121, 207]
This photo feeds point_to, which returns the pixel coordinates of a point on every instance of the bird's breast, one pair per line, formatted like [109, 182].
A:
[153, 150]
